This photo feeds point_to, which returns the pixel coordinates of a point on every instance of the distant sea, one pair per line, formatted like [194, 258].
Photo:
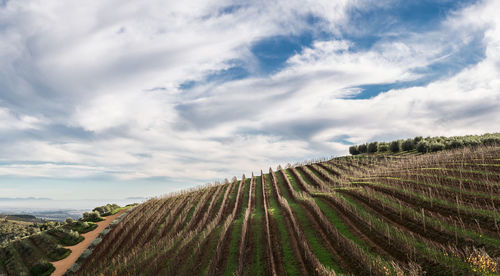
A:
[52, 209]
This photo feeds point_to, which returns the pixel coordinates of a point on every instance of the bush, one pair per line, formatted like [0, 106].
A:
[48, 225]
[395, 146]
[363, 148]
[408, 144]
[42, 269]
[423, 147]
[93, 216]
[372, 147]
[69, 221]
[436, 146]
[106, 209]
[353, 150]
[59, 253]
[72, 238]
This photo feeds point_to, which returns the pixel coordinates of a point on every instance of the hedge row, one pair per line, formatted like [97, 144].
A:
[429, 144]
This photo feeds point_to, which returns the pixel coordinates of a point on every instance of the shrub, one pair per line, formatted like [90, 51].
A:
[48, 225]
[362, 148]
[42, 269]
[423, 147]
[417, 139]
[69, 221]
[106, 209]
[59, 253]
[92, 216]
[395, 146]
[372, 147]
[408, 144]
[353, 150]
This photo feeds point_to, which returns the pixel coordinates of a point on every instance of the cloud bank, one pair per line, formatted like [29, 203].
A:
[193, 91]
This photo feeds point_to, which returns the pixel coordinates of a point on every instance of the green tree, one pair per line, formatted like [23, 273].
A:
[423, 147]
[383, 147]
[372, 147]
[362, 148]
[408, 144]
[395, 146]
[353, 150]
[436, 146]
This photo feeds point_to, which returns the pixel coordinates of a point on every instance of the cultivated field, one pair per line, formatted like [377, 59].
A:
[406, 214]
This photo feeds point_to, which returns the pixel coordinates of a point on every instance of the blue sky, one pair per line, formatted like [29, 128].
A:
[115, 100]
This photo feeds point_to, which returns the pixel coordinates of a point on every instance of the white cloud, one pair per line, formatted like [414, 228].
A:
[98, 86]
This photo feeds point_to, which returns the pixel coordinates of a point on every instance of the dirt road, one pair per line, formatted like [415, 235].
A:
[77, 250]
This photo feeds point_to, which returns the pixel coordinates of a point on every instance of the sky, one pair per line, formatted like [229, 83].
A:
[115, 99]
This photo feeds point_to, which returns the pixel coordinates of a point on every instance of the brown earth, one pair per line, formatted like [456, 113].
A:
[76, 250]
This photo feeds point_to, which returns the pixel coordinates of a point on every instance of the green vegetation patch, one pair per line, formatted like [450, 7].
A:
[59, 253]
[312, 235]
[42, 269]
[212, 244]
[234, 246]
[258, 230]
[292, 180]
[82, 226]
[336, 221]
[289, 261]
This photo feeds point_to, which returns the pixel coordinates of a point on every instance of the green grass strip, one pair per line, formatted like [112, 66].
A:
[210, 250]
[309, 229]
[306, 180]
[290, 263]
[257, 239]
[336, 221]
[234, 246]
[292, 180]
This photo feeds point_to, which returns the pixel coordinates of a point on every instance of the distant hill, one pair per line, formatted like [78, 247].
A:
[21, 217]
[22, 198]
[391, 214]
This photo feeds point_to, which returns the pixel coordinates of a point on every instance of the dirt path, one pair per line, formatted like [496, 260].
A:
[76, 250]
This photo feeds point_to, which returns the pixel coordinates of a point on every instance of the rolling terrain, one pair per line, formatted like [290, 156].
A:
[368, 214]
[30, 249]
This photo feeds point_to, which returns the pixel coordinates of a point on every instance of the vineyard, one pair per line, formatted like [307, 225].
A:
[406, 214]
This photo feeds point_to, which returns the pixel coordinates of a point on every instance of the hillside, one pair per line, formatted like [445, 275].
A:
[363, 215]
[28, 248]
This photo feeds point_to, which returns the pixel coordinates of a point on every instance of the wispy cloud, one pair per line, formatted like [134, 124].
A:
[195, 91]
